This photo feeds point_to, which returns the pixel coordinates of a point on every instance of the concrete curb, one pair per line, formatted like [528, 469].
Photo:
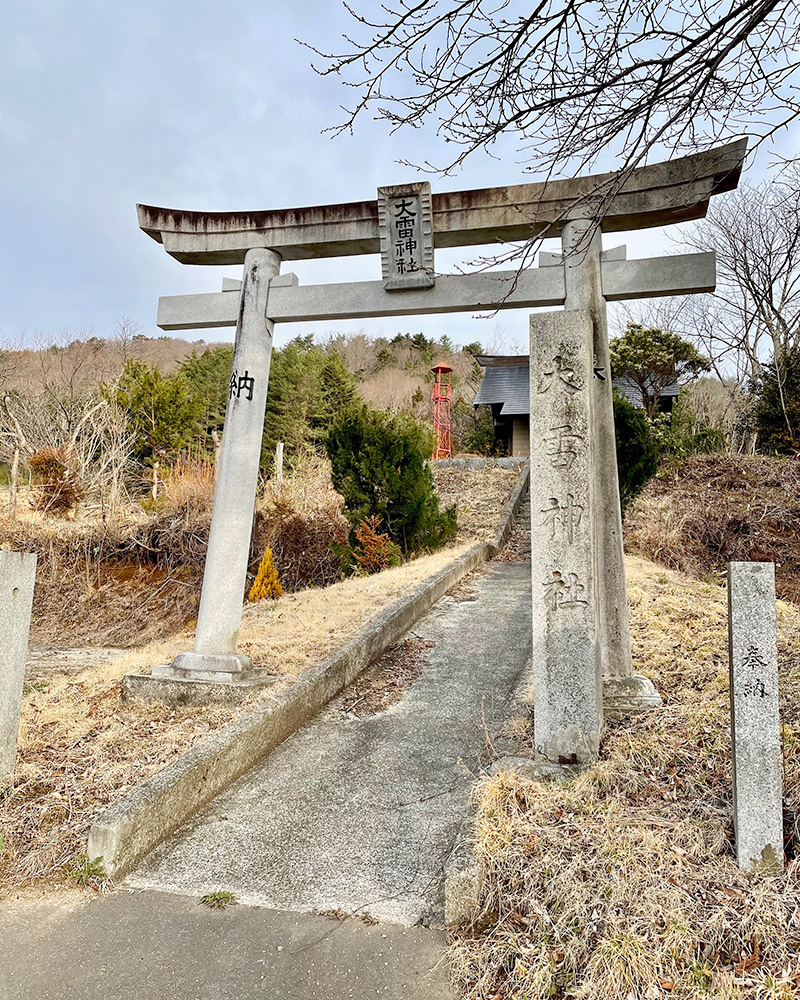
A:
[128, 830]
[477, 463]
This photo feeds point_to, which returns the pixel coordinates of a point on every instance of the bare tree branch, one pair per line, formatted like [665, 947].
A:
[570, 79]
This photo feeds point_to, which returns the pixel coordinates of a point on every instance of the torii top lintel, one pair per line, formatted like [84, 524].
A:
[659, 194]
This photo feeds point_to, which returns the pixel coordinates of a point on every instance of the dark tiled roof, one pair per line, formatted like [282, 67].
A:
[502, 360]
[510, 386]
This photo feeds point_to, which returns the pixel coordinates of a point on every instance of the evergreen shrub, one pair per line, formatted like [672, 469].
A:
[636, 451]
[266, 583]
[777, 409]
[379, 465]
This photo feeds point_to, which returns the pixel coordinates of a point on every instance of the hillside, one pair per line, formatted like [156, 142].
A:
[714, 509]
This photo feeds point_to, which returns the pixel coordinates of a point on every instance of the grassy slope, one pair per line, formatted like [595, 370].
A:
[623, 884]
[714, 509]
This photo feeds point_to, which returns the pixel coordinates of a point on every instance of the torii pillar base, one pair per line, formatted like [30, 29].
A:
[198, 679]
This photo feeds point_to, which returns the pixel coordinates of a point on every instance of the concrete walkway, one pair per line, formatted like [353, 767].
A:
[154, 946]
[359, 815]
[349, 819]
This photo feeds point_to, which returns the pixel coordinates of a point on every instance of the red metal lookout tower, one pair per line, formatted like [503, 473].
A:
[441, 410]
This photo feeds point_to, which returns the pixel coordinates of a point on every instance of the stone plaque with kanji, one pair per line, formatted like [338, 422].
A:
[405, 220]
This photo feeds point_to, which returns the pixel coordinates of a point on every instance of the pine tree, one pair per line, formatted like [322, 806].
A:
[379, 465]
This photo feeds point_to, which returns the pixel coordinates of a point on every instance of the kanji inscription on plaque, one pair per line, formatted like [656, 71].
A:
[405, 220]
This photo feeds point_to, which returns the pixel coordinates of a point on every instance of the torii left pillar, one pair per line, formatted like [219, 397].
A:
[220, 616]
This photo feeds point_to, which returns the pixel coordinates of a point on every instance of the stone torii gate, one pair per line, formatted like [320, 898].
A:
[404, 225]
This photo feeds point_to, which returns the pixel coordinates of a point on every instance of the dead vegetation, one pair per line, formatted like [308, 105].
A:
[136, 577]
[718, 508]
[476, 494]
[623, 884]
[387, 680]
[81, 748]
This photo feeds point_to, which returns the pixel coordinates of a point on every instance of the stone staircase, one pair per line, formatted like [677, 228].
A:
[518, 548]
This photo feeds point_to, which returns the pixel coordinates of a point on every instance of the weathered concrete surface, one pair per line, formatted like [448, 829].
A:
[405, 223]
[220, 613]
[632, 695]
[130, 828]
[654, 195]
[153, 946]
[755, 717]
[360, 814]
[586, 287]
[17, 577]
[46, 661]
[134, 825]
[193, 690]
[464, 876]
[568, 709]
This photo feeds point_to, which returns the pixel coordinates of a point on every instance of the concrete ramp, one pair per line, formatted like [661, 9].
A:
[357, 815]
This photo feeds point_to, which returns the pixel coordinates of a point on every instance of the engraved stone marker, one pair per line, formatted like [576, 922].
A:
[405, 219]
[568, 683]
[755, 723]
[17, 576]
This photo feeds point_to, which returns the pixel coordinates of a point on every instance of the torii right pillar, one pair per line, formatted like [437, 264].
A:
[623, 691]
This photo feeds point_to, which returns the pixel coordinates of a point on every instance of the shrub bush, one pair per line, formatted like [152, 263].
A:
[374, 550]
[302, 544]
[60, 492]
[379, 465]
[266, 583]
[636, 452]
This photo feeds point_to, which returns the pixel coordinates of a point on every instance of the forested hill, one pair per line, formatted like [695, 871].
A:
[170, 394]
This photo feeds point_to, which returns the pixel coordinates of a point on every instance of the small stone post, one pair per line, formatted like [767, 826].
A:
[568, 679]
[755, 723]
[17, 577]
[215, 657]
[624, 691]
[278, 469]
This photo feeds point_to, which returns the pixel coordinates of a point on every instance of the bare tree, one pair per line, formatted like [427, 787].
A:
[92, 437]
[754, 315]
[125, 342]
[570, 79]
[755, 311]
[14, 362]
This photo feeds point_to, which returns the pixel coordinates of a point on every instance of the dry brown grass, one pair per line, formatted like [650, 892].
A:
[289, 635]
[714, 509]
[622, 885]
[306, 487]
[480, 496]
[115, 584]
[300, 524]
[136, 577]
[81, 748]
[189, 486]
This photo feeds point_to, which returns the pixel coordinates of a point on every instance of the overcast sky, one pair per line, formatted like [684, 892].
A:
[195, 105]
